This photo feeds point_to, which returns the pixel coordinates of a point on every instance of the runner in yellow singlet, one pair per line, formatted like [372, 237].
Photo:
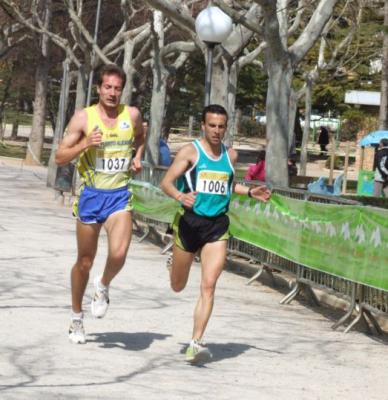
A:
[108, 138]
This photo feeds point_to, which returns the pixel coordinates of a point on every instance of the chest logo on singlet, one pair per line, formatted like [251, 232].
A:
[124, 125]
[212, 182]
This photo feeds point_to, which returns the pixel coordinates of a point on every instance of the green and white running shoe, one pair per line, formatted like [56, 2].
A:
[77, 331]
[100, 301]
[169, 262]
[197, 352]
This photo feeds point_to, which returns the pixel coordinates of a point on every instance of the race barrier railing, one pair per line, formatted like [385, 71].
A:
[322, 241]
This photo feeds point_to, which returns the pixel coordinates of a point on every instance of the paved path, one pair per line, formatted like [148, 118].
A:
[261, 350]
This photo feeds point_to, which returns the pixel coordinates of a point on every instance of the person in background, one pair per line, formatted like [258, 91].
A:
[323, 139]
[256, 172]
[292, 168]
[165, 158]
[381, 172]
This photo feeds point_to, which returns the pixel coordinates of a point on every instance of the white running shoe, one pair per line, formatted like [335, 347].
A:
[77, 331]
[197, 352]
[100, 301]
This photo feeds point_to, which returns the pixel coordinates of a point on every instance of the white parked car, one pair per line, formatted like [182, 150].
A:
[314, 120]
[261, 118]
[317, 120]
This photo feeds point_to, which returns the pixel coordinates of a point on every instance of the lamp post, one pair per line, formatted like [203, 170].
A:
[90, 82]
[213, 26]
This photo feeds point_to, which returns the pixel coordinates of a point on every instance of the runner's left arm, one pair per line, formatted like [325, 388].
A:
[260, 193]
[139, 138]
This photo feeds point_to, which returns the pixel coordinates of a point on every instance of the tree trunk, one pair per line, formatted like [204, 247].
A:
[220, 75]
[35, 143]
[15, 124]
[306, 129]
[60, 124]
[237, 121]
[126, 96]
[2, 107]
[82, 87]
[279, 87]
[15, 127]
[293, 105]
[232, 131]
[384, 74]
[158, 100]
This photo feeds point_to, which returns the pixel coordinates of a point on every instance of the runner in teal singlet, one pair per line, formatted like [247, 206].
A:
[204, 170]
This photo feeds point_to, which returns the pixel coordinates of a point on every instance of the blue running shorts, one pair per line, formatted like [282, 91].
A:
[94, 206]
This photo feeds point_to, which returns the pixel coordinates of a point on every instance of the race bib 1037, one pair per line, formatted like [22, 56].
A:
[112, 162]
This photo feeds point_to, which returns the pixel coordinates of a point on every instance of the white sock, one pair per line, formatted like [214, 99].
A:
[75, 315]
[100, 285]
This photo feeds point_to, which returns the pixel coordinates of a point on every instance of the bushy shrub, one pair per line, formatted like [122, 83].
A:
[249, 128]
[338, 163]
[355, 120]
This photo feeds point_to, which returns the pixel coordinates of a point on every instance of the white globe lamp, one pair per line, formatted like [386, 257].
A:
[213, 26]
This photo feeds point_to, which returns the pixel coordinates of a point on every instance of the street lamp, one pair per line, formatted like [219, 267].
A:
[96, 25]
[213, 26]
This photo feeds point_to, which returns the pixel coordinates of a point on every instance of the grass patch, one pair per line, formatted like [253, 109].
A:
[11, 116]
[8, 150]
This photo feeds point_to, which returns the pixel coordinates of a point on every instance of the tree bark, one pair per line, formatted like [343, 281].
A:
[159, 87]
[82, 87]
[279, 85]
[306, 129]
[60, 123]
[35, 143]
[293, 105]
[126, 96]
[4, 99]
[384, 75]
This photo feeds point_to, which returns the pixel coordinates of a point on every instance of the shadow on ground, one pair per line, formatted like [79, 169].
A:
[127, 341]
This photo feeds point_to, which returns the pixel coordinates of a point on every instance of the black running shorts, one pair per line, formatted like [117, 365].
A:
[192, 231]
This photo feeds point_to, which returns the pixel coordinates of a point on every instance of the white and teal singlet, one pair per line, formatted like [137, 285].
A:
[211, 179]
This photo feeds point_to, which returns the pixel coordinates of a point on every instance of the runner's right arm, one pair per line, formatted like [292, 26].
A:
[185, 157]
[75, 140]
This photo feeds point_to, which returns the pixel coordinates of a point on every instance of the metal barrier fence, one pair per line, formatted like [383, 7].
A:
[362, 299]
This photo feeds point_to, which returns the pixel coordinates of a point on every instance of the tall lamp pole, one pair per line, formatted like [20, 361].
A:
[213, 26]
[90, 82]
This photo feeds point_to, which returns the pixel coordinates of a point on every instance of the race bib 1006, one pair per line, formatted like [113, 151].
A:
[212, 182]
[112, 162]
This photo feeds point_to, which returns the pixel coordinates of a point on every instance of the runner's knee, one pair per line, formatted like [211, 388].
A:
[208, 287]
[118, 257]
[85, 264]
[177, 285]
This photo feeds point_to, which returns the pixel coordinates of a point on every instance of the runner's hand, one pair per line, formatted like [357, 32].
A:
[136, 165]
[187, 199]
[261, 193]
[95, 137]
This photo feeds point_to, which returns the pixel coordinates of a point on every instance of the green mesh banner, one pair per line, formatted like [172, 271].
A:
[151, 202]
[346, 241]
